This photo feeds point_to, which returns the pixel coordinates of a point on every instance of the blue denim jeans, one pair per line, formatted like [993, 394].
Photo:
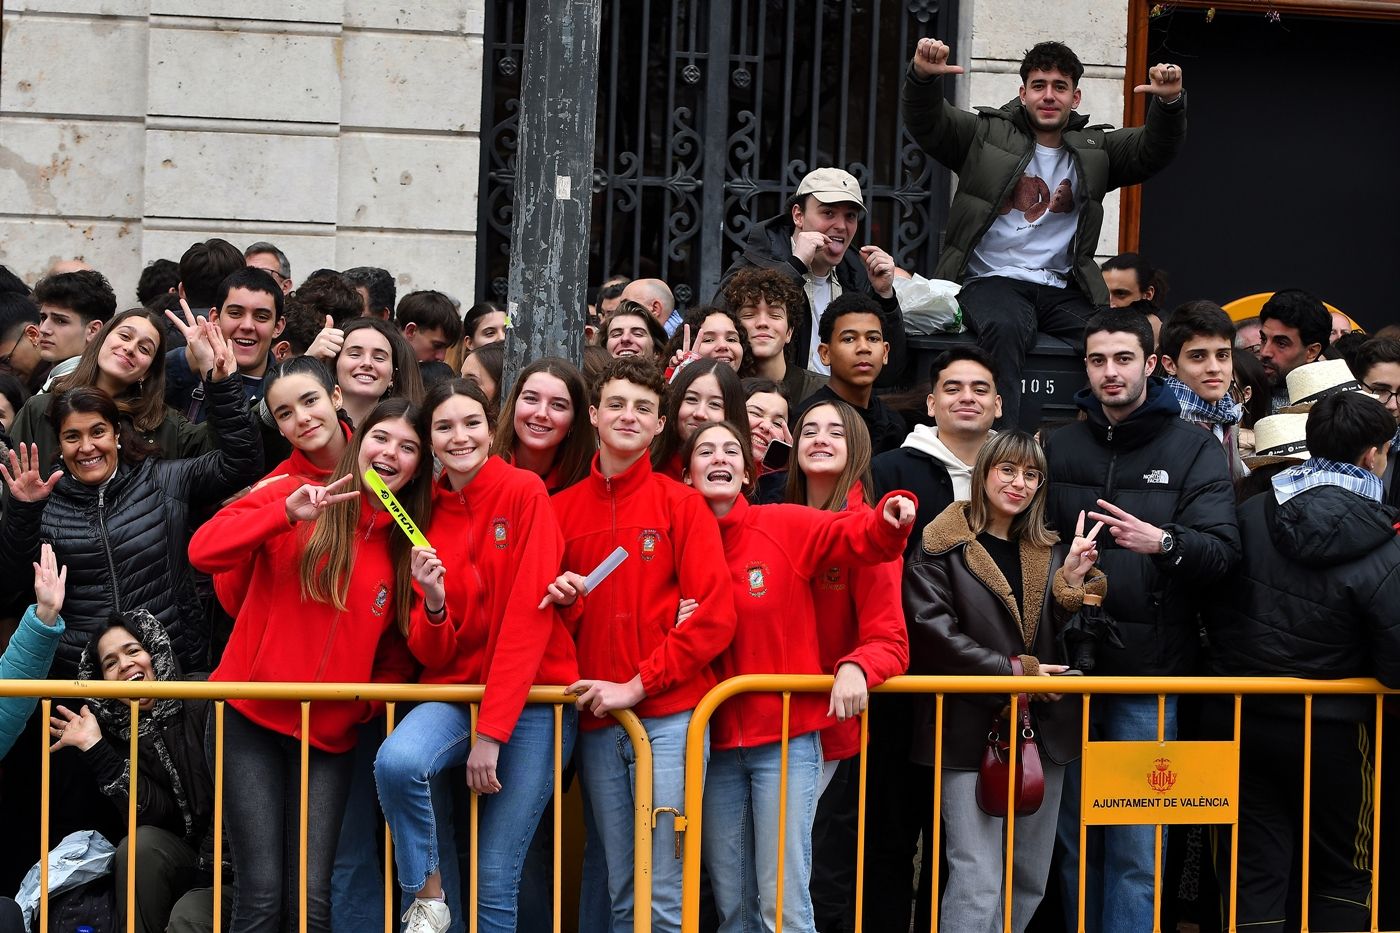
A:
[357, 882]
[741, 834]
[608, 770]
[436, 736]
[1118, 868]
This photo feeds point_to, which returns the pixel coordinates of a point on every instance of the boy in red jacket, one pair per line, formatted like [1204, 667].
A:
[631, 652]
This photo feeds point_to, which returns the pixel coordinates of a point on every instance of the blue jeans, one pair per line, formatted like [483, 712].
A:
[357, 882]
[741, 834]
[436, 736]
[608, 770]
[1118, 869]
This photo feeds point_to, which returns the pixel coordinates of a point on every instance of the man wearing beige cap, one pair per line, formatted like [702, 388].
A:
[1032, 175]
[811, 244]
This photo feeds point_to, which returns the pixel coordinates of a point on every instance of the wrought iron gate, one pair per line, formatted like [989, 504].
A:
[709, 114]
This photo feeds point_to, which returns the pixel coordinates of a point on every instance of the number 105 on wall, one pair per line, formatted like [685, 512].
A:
[1037, 386]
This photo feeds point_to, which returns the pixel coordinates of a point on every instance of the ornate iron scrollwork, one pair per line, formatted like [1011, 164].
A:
[781, 85]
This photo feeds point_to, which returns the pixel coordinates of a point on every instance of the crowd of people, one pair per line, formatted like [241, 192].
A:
[188, 495]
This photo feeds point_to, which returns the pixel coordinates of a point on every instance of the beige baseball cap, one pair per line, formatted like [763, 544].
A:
[831, 186]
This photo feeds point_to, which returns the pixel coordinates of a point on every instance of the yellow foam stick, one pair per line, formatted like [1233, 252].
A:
[391, 505]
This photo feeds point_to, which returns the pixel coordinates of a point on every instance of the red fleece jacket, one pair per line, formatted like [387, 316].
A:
[860, 619]
[627, 626]
[278, 636]
[773, 552]
[501, 546]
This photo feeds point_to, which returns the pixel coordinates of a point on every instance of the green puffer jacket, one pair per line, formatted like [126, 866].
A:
[989, 149]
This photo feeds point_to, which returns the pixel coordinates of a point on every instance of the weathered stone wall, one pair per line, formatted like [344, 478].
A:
[345, 131]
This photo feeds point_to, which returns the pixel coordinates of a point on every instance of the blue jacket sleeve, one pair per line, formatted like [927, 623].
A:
[28, 657]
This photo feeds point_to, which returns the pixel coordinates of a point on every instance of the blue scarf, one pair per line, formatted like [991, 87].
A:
[1194, 408]
[1319, 471]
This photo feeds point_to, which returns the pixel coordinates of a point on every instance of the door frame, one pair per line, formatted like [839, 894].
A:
[1135, 105]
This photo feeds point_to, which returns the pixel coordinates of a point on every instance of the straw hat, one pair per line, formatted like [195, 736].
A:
[1279, 439]
[1312, 382]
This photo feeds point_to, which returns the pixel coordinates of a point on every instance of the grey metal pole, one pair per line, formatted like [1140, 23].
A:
[553, 183]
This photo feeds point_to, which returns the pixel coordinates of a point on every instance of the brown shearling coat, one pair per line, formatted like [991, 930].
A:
[963, 620]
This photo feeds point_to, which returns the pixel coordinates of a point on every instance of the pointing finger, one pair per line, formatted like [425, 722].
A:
[1079, 525]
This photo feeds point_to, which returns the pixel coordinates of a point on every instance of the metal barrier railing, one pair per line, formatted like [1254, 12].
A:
[939, 686]
[307, 694]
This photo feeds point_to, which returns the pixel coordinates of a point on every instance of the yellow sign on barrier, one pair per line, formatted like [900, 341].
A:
[1161, 782]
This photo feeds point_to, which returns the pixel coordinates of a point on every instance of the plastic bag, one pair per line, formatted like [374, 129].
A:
[78, 859]
[930, 306]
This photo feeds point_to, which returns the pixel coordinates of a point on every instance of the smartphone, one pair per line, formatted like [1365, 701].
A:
[777, 455]
[1068, 673]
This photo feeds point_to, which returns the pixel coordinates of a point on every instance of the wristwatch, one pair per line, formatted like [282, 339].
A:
[1168, 542]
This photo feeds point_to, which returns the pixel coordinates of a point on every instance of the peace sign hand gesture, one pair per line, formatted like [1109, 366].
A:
[198, 352]
[1166, 82]
[22, 475]
[931, 58]
[1083, 553]
[309, 500]
[224, 363]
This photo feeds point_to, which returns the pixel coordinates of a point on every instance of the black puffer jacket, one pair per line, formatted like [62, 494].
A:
[1167, 473]
[769, 246]
[125, 542]
[1317, 595]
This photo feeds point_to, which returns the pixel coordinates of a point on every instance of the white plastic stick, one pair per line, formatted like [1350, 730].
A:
[600, 573]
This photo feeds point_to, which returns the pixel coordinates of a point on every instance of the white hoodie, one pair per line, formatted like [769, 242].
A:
[924, 438]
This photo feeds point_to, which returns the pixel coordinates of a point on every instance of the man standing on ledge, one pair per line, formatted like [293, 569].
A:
[1032, 175]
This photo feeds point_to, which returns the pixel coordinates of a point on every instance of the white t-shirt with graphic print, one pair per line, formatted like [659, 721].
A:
[1032, 237]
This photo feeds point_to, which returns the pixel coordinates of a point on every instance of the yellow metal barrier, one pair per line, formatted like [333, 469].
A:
[306, 694]
[1236, 687]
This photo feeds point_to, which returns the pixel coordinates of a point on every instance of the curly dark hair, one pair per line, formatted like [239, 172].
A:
[1052, 56]
[753, 284]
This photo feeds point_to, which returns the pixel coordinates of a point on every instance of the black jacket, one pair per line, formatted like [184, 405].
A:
[1317, 595]
[920, 473]
[1167, 473]
[174, 788]
[125, 543]
[770, 247]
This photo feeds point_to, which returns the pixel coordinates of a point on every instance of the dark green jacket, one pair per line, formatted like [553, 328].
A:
[989, 149]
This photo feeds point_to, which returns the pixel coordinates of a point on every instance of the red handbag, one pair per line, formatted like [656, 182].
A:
[993, 775]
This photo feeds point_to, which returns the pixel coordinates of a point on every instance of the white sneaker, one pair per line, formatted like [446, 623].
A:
[426, 916]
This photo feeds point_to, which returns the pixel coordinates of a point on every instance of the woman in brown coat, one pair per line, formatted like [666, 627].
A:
[992, 583]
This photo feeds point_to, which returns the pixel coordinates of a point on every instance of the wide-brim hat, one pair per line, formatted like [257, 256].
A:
[831, 186]
[1313, 382]
[1279, 439]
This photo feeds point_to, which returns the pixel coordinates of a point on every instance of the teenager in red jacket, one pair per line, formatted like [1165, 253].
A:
[497, 548]
[328, 587]
[301, 397]
[631, 652]
[543, 425]
[862, 641]
[772, 553]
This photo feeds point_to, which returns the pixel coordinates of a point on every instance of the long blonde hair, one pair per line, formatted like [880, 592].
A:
[1022, 450]
[330, 551]
[858, 454]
